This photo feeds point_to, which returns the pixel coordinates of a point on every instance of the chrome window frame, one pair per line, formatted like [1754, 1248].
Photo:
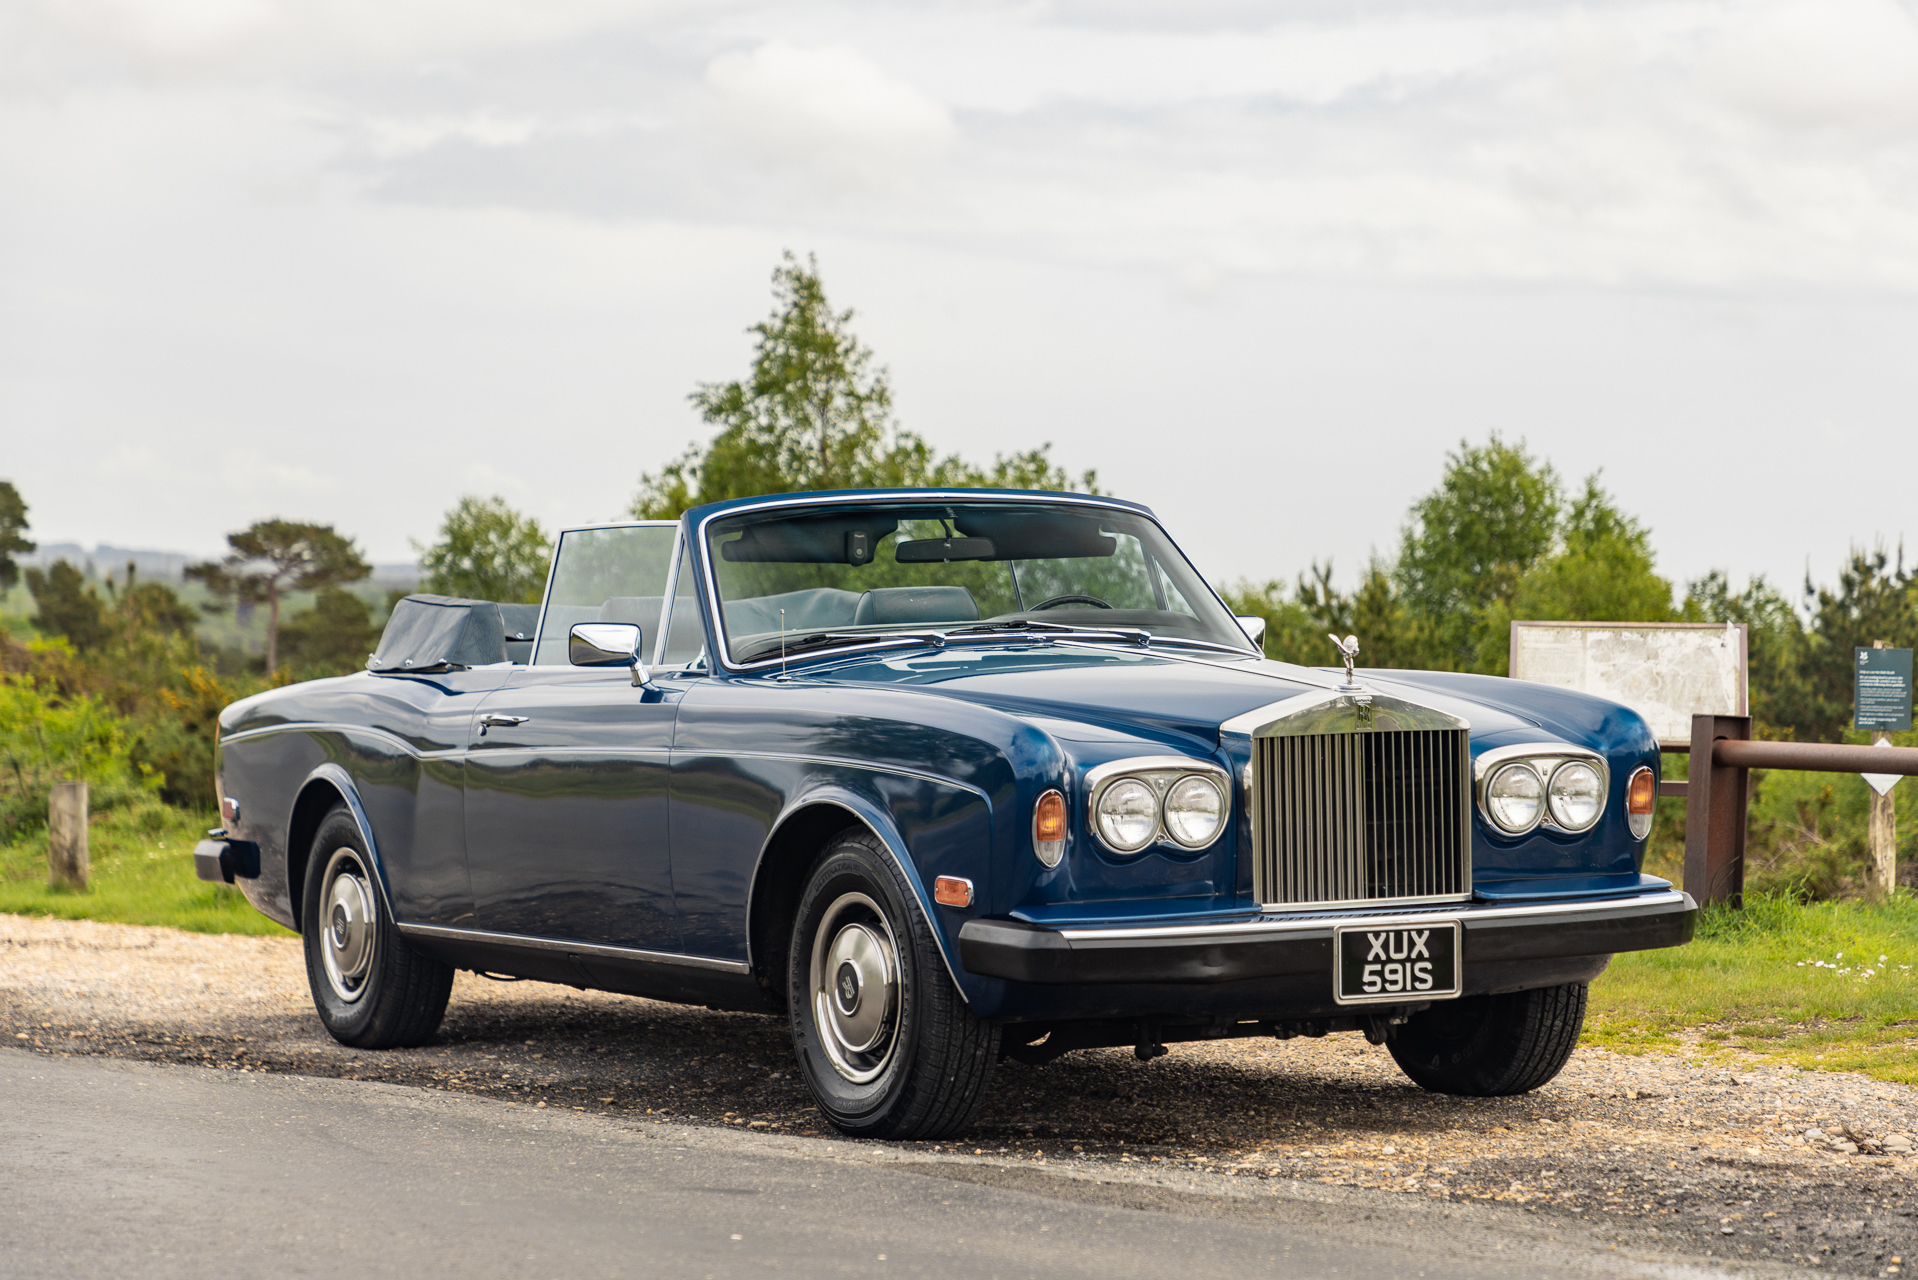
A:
[1546, 759]
[1100, 778]
[709, 582]
[666, 605]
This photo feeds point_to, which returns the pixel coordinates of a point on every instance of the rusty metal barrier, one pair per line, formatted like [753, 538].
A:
[1718, 795]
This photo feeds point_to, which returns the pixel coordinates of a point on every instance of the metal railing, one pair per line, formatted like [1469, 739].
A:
[1718, 794]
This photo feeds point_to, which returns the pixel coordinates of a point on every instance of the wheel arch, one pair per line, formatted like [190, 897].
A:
[326, 788]
[794, 843]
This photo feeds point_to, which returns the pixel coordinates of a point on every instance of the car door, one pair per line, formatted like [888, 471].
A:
[567, 767]
[566, 832]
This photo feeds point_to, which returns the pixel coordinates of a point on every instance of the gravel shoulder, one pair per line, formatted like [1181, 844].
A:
[1664, 1154]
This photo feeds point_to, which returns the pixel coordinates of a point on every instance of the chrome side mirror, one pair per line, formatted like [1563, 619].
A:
[607, 644]
[1254, 629]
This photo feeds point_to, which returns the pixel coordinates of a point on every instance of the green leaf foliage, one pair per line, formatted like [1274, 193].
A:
[45, 738]
[487, 551]
[1470, 542]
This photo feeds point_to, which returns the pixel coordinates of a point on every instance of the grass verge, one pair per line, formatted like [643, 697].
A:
[142, 874]
[1830, 986]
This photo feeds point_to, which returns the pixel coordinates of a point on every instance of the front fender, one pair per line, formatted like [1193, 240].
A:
[928, 828]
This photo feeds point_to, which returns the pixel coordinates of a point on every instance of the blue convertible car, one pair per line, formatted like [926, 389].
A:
[944, 777]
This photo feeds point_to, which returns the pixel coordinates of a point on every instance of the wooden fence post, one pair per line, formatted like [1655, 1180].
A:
[1882, 826]
[1715, 804]
[67, 862]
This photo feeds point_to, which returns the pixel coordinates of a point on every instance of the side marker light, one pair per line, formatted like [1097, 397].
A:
[952, 891]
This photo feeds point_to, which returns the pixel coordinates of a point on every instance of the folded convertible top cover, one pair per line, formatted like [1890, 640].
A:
[434, 633]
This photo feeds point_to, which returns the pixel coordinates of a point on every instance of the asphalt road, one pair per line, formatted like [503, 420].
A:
[122, 1168]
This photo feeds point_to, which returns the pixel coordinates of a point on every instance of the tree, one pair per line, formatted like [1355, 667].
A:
[332, 638]
[13, 529]
[814, 413]
[67, 605]
[1873, 601]
[1776, 636]
[1600, 570]
[271, 557]
[487, 551]
[147, 608]
[1470, 541]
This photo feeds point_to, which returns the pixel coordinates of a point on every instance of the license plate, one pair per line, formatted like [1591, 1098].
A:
[1395, 963]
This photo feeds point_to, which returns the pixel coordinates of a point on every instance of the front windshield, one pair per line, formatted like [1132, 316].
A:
[802, 580]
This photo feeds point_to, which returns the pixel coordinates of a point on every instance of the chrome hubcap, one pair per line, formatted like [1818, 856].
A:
[855, 986]
[348, 920]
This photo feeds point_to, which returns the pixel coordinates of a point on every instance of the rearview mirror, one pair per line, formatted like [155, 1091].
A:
[606, 644]
[938, 550]
[1254, 629]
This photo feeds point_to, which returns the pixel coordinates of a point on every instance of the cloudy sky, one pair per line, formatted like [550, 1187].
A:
[1261, 264]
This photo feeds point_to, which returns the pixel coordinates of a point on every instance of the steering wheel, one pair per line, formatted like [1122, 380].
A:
[1047, 604]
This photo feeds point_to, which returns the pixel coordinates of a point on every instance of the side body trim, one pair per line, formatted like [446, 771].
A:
[331, 726]
[575, 948]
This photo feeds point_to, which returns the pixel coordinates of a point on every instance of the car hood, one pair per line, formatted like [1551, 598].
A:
[1161, 694]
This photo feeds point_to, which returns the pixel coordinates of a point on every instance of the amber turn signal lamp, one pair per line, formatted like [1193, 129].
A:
[1641, 797]
[1049, 828]
[952, 891]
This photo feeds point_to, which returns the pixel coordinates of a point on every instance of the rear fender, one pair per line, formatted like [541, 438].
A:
[327, 786]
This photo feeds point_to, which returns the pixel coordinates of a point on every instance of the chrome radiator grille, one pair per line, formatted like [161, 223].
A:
[1361, 817]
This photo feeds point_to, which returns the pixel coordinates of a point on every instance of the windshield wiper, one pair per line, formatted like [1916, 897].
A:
[832, 639]
[1054, 631]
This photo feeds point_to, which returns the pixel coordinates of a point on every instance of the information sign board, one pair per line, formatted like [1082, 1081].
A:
[1668, 672]
[1882, 692]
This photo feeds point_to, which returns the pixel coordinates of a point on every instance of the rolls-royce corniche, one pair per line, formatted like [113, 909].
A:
[942, 777]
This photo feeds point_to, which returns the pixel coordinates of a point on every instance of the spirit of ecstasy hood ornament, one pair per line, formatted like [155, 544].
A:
[1349, 649]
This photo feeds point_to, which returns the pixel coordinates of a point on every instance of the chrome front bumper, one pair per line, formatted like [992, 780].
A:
[1498, 940]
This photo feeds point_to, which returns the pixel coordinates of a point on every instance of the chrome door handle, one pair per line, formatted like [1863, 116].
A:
[501, 722]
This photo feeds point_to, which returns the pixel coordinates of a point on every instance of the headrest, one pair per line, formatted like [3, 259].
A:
[915, 604]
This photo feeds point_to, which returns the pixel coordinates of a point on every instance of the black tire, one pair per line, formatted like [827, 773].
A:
[371, 989]
[1491, 1046]
[905, 1061]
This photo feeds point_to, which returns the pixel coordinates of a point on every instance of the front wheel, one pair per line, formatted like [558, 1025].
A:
[372, 991]
[884, 1039]
[1492, 1046]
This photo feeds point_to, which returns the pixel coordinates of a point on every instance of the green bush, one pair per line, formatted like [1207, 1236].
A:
[46, 738]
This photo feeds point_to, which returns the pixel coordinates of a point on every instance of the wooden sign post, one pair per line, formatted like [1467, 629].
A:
[67, 862]
[1881, 703]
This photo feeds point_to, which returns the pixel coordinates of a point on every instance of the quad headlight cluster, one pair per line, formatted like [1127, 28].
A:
[1134, 804]
[1520, 788]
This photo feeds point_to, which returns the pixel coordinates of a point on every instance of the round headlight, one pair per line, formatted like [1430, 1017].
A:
[1194, 808]
[1128, 815]
[1514, 797]
[1577, 795]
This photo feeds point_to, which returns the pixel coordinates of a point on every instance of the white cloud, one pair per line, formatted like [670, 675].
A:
[1824, 62]
[254, 36]
[798, 107]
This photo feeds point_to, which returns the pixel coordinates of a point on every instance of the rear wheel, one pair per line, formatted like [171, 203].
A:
[1492, 1046]
[884, 1039]
[372, 991]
